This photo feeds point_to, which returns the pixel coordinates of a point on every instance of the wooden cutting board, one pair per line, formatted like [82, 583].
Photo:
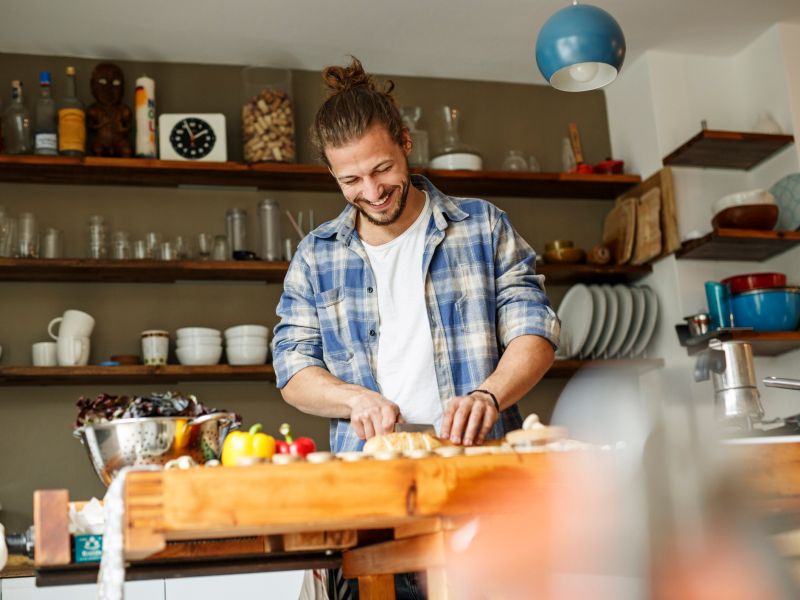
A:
[619, 229]
[648, 227]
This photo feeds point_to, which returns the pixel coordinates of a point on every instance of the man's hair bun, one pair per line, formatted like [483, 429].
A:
[342, 79]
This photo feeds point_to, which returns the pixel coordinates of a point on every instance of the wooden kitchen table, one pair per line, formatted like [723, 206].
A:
[375, 518]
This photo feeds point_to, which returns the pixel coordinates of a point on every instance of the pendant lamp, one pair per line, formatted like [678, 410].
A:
[579, 48]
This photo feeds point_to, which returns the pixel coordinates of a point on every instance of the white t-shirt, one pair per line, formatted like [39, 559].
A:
[406, 374]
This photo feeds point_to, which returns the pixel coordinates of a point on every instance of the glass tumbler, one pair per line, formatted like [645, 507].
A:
[205, 242]
[139, 249]
[98, 237]
[183, 248]
[120, 245]
[27, 236]
[8, 235]
[152, 240]
[52, 243]
[221, 250]
[168, 251]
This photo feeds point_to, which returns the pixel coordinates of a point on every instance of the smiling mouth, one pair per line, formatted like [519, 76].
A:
[383, 202]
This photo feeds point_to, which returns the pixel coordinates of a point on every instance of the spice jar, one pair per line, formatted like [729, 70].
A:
[267, 115]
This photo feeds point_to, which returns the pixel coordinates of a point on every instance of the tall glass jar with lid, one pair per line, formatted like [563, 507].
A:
[267, 115]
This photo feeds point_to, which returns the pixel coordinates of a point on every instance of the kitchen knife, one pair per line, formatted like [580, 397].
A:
[415, 428]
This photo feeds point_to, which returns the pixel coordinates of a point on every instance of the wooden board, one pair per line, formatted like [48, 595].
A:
[662, 181]
[619, 229]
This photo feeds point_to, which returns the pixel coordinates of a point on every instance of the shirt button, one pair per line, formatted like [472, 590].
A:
[369, 289]
[372, 332]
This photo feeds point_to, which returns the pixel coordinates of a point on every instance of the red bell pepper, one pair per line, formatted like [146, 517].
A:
[301, 446]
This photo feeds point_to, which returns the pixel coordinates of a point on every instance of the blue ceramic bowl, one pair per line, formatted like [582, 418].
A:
[776, 309]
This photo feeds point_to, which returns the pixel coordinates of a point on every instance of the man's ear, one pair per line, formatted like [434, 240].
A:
[407, 143]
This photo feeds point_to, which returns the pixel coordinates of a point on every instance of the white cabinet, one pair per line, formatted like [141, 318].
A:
[24, 588]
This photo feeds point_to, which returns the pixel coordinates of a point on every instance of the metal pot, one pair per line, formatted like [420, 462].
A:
[153, 441]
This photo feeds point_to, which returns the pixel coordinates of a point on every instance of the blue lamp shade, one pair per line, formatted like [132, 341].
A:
[580, 48]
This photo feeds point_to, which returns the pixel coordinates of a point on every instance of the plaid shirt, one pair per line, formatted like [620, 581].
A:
[481, 291]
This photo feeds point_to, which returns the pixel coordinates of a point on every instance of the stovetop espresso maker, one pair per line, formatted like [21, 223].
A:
[730, 366]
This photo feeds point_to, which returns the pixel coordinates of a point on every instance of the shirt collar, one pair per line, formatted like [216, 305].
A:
[443, 207]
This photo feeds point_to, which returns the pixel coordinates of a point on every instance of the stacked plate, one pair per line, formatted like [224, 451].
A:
[199, 345]
[604, 321]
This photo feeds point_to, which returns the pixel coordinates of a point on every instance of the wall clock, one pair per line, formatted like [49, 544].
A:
[199, 137]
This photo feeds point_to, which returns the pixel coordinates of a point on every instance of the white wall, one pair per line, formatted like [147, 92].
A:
[656, 105]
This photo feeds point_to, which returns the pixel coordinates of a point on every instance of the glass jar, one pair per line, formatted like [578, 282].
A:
[419, 139]
[98, 237]
[267, 115]
[453, 153]
[515, 161]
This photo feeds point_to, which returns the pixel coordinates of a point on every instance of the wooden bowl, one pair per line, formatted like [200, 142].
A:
[565, 256]
[748, 216]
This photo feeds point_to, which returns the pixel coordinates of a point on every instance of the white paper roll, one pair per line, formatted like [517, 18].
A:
[145, 117]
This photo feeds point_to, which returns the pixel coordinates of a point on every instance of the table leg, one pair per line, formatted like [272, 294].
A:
[376, 587]
[437, 585]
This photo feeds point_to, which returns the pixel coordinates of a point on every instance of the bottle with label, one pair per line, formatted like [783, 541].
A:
[71, 120]
[17, 123]
[45, 128]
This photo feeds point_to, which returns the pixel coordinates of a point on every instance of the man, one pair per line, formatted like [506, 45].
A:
[411, 306]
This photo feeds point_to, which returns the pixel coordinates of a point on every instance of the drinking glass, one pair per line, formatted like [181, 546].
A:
[205, 242]
[153, 242]
[120, 245]
[27, 236]
[168, 251]
[98, 237]
[140, 249]
[52, 243]
[221, 250]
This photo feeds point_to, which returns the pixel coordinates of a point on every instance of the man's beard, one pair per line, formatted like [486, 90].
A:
[392, 218]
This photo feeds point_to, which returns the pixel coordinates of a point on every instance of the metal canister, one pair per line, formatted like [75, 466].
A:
[269, 221]
[236, 225]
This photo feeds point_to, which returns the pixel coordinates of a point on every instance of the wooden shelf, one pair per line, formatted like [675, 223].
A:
[739, 244]
[132, 374]
[158, 271]
[162, 173]
[764, 343]
[727, 149]
[568, 274]
[139, 374]
[140, 271]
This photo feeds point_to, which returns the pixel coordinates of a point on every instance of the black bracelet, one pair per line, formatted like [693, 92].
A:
[494, 398]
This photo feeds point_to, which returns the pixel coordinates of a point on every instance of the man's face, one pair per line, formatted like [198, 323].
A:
[372, 173]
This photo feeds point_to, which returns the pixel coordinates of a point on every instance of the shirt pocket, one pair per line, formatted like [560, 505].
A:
[333, 326]
[475, 303]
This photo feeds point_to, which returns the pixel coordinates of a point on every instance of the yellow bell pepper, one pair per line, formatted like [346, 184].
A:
[253, 443]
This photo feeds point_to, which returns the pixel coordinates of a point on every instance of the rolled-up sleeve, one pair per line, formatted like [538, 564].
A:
[296, 343]
[522, 305]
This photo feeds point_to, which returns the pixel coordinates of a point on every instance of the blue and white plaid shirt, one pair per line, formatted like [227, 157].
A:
[481, 291]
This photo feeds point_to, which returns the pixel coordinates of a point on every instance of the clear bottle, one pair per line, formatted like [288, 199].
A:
[419, 138]
[17, 123]
[71, 120]
[515, 161]
[453, 153]
[46, 124]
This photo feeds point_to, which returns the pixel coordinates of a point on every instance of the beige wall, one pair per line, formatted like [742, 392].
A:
[36, 447]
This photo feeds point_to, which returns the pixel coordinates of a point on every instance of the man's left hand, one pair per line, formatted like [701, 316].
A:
[468, 419]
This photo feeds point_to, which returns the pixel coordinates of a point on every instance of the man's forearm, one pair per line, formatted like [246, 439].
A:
[315, 391]
[525, 361]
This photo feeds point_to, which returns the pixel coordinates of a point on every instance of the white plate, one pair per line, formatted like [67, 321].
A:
[639, 303]
[612, 308]
[598, 320]
[575, 313]
[625, 299]
[650, 319]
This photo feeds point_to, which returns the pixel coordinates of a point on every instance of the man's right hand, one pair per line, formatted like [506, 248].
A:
[372, 414]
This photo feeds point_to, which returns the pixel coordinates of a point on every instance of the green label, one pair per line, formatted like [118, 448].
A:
[88, 548]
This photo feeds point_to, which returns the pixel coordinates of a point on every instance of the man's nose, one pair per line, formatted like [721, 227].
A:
[373, 189]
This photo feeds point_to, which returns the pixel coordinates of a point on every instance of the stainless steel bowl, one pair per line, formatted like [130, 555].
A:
[153, 441]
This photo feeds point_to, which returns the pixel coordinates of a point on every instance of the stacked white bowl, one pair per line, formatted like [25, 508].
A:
[247, 344]
[199, 346]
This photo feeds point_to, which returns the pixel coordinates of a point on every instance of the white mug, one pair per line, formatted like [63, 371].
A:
[74, 323]
[72, 351]
[155, 347]
[44, 354]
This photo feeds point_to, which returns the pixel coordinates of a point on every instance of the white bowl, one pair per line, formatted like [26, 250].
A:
[247, 340]
[247, 355]
[200, 343]
[254, 330]
[200, 338]
[457, 160]
[199, 355]
[742, 199]
[195, 331]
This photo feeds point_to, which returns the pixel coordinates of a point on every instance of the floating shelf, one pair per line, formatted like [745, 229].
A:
[764, 343]
[158, 271]
[141, 172]
[739, 244]
[727, 149]
[140, 374]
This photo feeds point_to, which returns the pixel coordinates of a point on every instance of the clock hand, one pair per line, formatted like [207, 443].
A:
[187, 128]
[202, 133]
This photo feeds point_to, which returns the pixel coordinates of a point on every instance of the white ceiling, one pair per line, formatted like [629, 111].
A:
[471, 39]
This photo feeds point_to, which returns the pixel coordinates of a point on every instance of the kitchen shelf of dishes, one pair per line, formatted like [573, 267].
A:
[752, 225]
[759, 308]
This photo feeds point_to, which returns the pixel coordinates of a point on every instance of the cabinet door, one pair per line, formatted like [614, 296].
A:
[24, 588]
[251, 586]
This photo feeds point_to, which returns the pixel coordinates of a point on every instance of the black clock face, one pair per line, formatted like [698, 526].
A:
[192, 138]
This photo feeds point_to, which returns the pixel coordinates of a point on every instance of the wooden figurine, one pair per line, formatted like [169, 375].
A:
[109, 119]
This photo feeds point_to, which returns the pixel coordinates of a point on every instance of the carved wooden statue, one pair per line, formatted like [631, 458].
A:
[108, 119]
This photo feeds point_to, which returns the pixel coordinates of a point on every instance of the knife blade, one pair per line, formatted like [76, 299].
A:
[415, 428]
